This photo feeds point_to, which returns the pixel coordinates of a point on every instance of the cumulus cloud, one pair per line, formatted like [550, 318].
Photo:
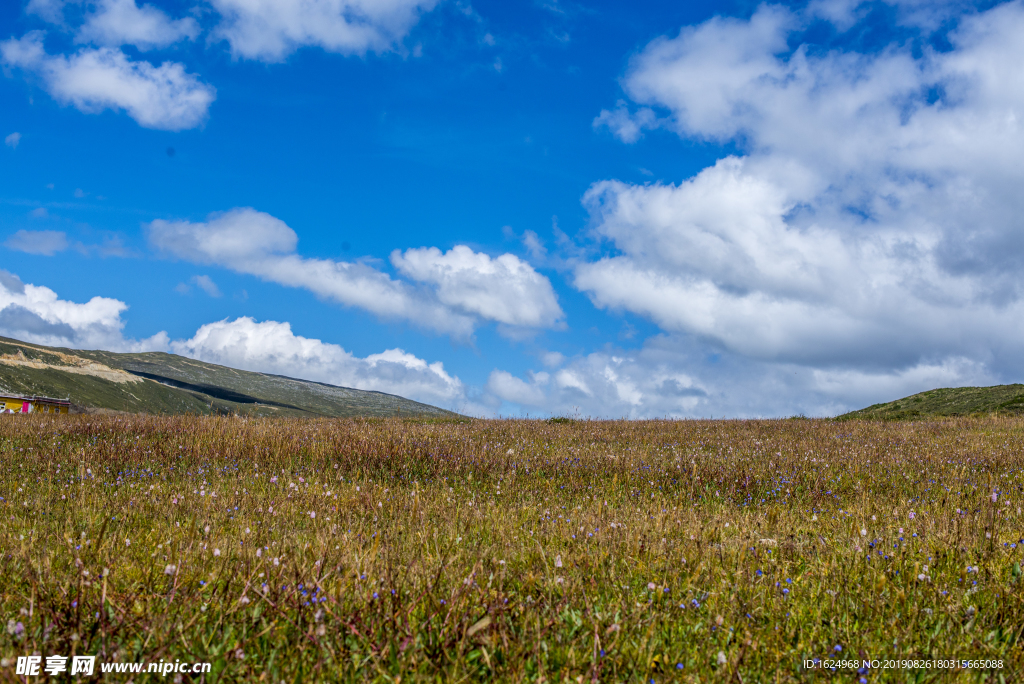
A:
[36, 314]
[272, 347]
[270, 30]
[166, 96]
[606, 384]
[114, 23]
[12, 140]
[872, 223]
[678, 376]
[162, 97]
[256, 243]
[504, 289]
[43, 242]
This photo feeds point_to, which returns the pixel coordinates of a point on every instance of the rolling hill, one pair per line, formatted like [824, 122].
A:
[155, 382]
[954, 401]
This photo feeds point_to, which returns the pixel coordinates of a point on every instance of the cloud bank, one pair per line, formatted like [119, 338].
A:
[272, 347]
[678, 376]
[870, 227]
[451, 291]
[36, 314]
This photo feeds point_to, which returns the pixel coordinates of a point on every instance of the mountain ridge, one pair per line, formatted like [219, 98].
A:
[947, 401]
[159, 382]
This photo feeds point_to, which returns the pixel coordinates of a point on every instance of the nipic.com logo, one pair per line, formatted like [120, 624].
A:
[33, 666]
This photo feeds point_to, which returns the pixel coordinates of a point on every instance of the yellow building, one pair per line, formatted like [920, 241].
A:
[14, 403]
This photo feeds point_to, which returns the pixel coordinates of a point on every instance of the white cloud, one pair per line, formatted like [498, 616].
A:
[705, 75]
[843, 14]
[163, 97]
[43, 242]
[233, 238]
[272, 347]
[50, 10]
[534, 245]
[114, 23]
[627, 127]
[12, 140]
[36, 314]
[206, 284]
[872, 226]
[553, 359]
[504, 289]
[681, 377]
[256, 243]
[607, 384]
[509, 388]
[270, 30]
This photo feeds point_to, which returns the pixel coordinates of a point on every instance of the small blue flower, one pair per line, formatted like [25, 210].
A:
[838, 648]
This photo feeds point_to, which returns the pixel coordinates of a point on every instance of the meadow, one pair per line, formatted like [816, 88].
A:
[514, 550]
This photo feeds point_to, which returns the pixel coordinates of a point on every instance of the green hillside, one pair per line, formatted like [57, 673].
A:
[155, 382]
[954, 401]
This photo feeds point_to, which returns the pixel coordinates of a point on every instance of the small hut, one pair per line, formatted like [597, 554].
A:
[16, 403]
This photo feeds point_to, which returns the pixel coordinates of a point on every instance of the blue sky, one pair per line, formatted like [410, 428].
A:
[615, 209]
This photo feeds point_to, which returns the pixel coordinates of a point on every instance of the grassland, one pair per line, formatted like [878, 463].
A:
[948, 401]
[388, 550]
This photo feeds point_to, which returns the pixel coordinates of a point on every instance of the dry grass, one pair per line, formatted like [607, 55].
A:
[514, 550]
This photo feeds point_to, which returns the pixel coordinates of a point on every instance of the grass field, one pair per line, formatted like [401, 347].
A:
[707, 551]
